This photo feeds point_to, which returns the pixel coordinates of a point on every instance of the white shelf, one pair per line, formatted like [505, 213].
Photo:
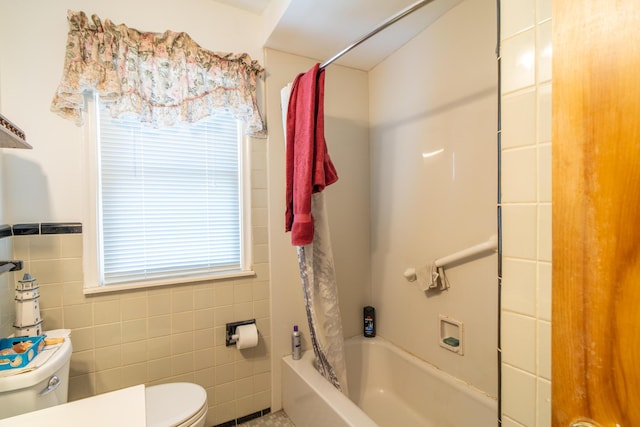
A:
[11, 136]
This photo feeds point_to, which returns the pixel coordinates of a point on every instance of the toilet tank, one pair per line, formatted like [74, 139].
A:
[41, 388]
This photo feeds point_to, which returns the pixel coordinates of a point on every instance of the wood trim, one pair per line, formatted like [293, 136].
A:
[596, 212]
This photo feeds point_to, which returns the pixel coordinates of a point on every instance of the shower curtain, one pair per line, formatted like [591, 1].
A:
[315, 259]
[320, 291]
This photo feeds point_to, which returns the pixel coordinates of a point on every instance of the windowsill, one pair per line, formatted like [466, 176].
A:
[168, 282]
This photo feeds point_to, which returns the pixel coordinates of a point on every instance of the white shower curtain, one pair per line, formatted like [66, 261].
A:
[317, 274]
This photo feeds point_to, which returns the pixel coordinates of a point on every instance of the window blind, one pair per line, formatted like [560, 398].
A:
[170, 199]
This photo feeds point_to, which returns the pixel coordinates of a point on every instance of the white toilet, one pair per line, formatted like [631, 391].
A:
[41, 388]
[176, 405]
[167, 405]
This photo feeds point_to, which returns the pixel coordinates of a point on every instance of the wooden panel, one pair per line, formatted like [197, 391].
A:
[596, 212]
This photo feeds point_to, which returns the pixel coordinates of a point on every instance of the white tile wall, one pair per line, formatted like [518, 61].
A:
[518, 15]
[518, 60]
[518, 130]
[526, 212]
[519, 286]
[519, 396]
[520, 352]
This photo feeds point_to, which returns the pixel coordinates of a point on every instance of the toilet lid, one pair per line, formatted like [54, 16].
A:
[171, 404]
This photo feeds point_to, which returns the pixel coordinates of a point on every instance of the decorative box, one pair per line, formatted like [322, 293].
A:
[11, 360]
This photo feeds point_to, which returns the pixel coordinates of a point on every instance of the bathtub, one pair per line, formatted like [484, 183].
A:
[387, 386]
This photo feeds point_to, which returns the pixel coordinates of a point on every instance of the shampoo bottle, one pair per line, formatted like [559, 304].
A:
[369, 315]
[295, 343]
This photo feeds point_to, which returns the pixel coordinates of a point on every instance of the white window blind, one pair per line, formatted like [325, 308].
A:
[170, 199]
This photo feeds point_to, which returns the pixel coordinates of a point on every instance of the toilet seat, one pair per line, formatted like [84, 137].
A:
[175, 405]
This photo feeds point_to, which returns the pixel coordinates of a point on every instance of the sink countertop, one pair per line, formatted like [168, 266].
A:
[125, 407]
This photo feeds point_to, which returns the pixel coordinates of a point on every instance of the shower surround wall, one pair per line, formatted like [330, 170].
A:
[347, 135]
[433, 118]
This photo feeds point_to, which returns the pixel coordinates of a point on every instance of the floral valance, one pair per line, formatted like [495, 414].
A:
[163, 78]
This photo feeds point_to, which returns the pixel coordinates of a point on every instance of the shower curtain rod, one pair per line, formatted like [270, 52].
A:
[408, 10]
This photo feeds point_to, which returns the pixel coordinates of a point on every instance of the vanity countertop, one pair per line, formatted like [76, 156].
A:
[125, 407]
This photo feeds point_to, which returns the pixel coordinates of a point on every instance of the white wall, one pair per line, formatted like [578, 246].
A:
[526, 212]
[2, 203]
[46, 183]
[7, 291]
[439, 91]
[346, 128]
[7, 311]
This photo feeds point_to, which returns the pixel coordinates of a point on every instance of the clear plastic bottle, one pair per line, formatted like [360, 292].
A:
[296, 346]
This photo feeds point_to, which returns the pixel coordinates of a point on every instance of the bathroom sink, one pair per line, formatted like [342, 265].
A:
[90, 411]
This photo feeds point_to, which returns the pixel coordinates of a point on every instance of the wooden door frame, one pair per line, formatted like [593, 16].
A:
[596, 212]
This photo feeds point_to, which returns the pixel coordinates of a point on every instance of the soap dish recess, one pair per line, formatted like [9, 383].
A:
[451, 334]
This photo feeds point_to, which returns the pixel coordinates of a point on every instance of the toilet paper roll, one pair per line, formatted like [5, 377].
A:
[247, 336]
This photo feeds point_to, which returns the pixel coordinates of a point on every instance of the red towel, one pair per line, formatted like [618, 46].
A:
[309, 167]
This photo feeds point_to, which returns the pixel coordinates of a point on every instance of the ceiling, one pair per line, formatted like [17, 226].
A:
[321, 28]
[254, 6]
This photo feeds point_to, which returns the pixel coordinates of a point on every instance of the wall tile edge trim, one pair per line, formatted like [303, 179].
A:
[5, 231]
[60, 228]
[26, 229]
[44, 228]
[237, 421]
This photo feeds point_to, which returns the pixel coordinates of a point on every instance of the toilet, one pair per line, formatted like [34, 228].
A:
[41, 388]
[176, 405]
[167, 405]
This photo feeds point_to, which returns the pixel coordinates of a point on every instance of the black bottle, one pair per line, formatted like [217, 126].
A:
[369, 314]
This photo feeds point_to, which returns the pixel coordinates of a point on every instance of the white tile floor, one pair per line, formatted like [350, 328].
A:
[274, 419]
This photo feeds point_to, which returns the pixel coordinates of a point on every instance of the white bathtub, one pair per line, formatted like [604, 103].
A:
[388, 388]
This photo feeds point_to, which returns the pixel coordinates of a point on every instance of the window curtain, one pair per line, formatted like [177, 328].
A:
[162, 78]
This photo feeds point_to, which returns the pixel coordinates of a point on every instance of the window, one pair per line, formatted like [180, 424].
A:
[169, 201]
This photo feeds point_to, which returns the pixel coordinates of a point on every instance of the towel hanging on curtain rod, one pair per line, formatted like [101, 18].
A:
[407, 11]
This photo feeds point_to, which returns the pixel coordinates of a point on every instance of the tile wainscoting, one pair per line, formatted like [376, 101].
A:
[150, 336]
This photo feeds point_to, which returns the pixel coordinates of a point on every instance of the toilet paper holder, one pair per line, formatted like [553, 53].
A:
[231, 330]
